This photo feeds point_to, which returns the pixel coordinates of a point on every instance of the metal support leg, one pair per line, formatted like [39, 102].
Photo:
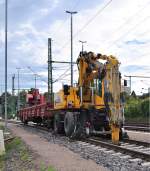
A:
[115, 134]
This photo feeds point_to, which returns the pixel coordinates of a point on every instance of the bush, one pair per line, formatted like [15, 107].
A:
[136, 108]
[145, 108]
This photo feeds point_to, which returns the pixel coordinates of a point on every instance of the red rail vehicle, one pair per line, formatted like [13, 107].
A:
[37, 109]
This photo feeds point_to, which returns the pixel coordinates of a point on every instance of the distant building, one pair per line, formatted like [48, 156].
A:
[149, 90]
[125, 89]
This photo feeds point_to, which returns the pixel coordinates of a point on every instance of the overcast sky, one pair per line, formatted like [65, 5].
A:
[121, 29]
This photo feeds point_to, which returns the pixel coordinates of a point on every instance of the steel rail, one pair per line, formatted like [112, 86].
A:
[119, 148]
[141, 143]
[138, 128]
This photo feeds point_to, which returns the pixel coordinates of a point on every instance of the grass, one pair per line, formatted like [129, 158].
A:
[2, 162]
[13, 144]
[17, 145]
[44, 168]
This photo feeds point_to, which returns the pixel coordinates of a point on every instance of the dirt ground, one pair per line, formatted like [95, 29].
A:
[59, 157]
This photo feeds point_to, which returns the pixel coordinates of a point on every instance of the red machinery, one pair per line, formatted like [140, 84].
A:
[36, 110]
[34, 97]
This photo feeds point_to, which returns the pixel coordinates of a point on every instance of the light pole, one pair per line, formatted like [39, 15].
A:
[35, 76]
[82, 44]
[35, 80]
[71, 13]
[5, 64]
[18, 103]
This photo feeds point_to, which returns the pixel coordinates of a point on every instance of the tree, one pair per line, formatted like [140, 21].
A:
[133, 94]
[11, 104]
[23, 98]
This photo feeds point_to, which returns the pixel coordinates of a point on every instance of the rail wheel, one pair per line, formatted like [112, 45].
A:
[58, 125]
[25, 122]
[123, 134]
[69, 124]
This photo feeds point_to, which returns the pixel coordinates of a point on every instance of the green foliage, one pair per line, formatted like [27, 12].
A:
[23, 98]
[145, 107]
[133, 94]
[2, 162]
[12, 103]
[137, 107]
[50, 168]
[13, 144]
[44, 168]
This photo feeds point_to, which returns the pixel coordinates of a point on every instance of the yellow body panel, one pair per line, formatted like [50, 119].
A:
[59, 100]
[72, 98]
[62, 101]
[99, 102]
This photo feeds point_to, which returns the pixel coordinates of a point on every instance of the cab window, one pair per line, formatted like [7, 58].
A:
[98, 87]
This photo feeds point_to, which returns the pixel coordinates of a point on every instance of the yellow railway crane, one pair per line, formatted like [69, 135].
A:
[94, 104]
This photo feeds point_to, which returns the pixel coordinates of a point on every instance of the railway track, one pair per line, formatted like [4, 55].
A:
[133, 148]
[137, 126]
[130, 153]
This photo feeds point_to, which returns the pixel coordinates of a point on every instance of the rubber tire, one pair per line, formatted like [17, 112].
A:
[58, 125]
[69, 124]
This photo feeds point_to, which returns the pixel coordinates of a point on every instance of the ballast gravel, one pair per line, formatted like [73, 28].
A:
[84, 153]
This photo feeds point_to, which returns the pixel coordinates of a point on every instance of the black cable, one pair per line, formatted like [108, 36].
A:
[37, 75]
[128, 31]
[130, 18]
[92, 18]
[61, 75]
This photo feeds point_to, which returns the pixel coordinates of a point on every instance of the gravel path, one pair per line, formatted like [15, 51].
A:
[61, 158]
